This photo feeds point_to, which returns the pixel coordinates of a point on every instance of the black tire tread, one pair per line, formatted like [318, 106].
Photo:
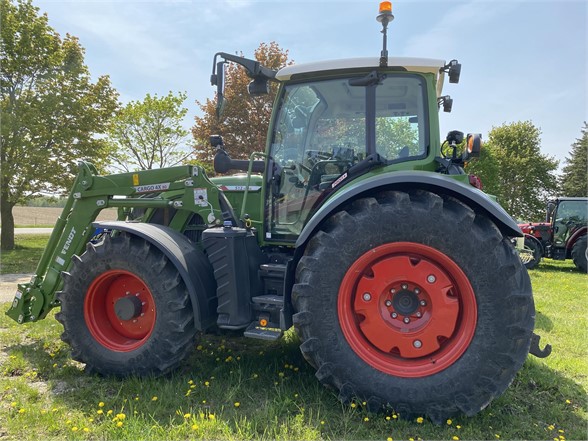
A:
[366, 215]
[579, 254]
[174, 332]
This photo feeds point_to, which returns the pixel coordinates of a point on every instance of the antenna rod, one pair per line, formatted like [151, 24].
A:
[385, 16]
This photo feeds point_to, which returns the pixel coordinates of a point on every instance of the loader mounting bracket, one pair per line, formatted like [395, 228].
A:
[536, 351]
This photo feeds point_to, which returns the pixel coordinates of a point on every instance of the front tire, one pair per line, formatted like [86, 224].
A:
[580, 254]
[415, 301]
[534, 251]
[125, 309]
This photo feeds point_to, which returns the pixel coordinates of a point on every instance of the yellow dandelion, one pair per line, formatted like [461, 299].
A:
[194, 426]
[99, 411]
[280, 374]
[203, 401]
[296, 369]
[237, 404]
[387, 417]
[322, 423]
[420, 420]
[74, 429]
[366, 419]
[353, 405]
[255, 375]
[562, 437]
[395, 416]
[110, 412]
[188, 392]
[206, 383]
[192, 386]
[449, 422]
[191, 382]
[43, 412]
[22, 410]
[551, 427]
[497, 436]
[101, 404]
[54, 409]
[119, 424]
[211, 416]
[568, 402]
[13, 404]
[561, 431]
[68, 422]
[90, 420]
[363, 403]
[86, 429]
[187, 415]
[458, 426]
[389, 439]
[121, 416]
[410, 439]
[154, 398]
[199, 348]
[54, 365]
[455, 438]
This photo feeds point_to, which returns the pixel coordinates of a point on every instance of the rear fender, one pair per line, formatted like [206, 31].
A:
[191, 263]
[574, 237]
[408, 180]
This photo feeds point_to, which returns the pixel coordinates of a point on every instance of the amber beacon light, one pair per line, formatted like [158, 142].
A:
[385, 16]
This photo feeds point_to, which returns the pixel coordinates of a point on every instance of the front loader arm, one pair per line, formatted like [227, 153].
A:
[89, 195]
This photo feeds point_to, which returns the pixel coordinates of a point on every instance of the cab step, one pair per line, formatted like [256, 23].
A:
[270, 332]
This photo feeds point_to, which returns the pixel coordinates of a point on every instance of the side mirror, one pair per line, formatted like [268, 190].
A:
[473, 146]
[218, 79]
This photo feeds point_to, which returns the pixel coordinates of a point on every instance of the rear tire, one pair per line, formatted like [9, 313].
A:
[125, 309]
[443, 261]
[580, 254]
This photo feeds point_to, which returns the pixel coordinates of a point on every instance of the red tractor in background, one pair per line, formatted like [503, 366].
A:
[562, 235]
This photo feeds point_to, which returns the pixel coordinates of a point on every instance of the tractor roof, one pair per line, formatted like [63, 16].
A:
[423, 65]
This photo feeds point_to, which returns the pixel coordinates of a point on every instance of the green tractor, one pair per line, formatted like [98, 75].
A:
[398, 274]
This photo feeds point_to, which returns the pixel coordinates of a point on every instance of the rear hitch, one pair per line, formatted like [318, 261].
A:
[535, 350]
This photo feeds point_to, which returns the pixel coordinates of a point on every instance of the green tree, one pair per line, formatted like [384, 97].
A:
[574, 180]
[487, 168]
[245, 119]
[149, 134]
[515, 170]
[51, 110]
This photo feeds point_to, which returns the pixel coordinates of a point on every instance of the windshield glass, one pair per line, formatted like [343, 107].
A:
[320, 132]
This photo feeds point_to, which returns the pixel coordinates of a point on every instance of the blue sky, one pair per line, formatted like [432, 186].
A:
[521, 60]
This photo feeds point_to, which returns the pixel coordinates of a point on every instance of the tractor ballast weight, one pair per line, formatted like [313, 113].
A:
[355, 226]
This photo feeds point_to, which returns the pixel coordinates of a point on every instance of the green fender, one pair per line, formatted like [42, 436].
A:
[403, 180]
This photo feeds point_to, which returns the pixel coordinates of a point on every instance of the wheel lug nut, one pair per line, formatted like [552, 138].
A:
[406, 320]
[418, 314]
[393, 315]
[404, 286]
[431, 278]
[128, 293]
[417, 291]
[392, 291]
[423, 303]
[367, 296]
[388, 303]
[417, 344]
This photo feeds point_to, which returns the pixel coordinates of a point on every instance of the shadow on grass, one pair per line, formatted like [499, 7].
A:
[557, 266]
[271, 382]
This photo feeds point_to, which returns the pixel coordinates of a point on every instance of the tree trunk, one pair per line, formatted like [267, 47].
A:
[7, 233]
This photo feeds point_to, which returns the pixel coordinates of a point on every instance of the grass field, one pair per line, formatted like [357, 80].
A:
[232, 388]
[47, 216]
